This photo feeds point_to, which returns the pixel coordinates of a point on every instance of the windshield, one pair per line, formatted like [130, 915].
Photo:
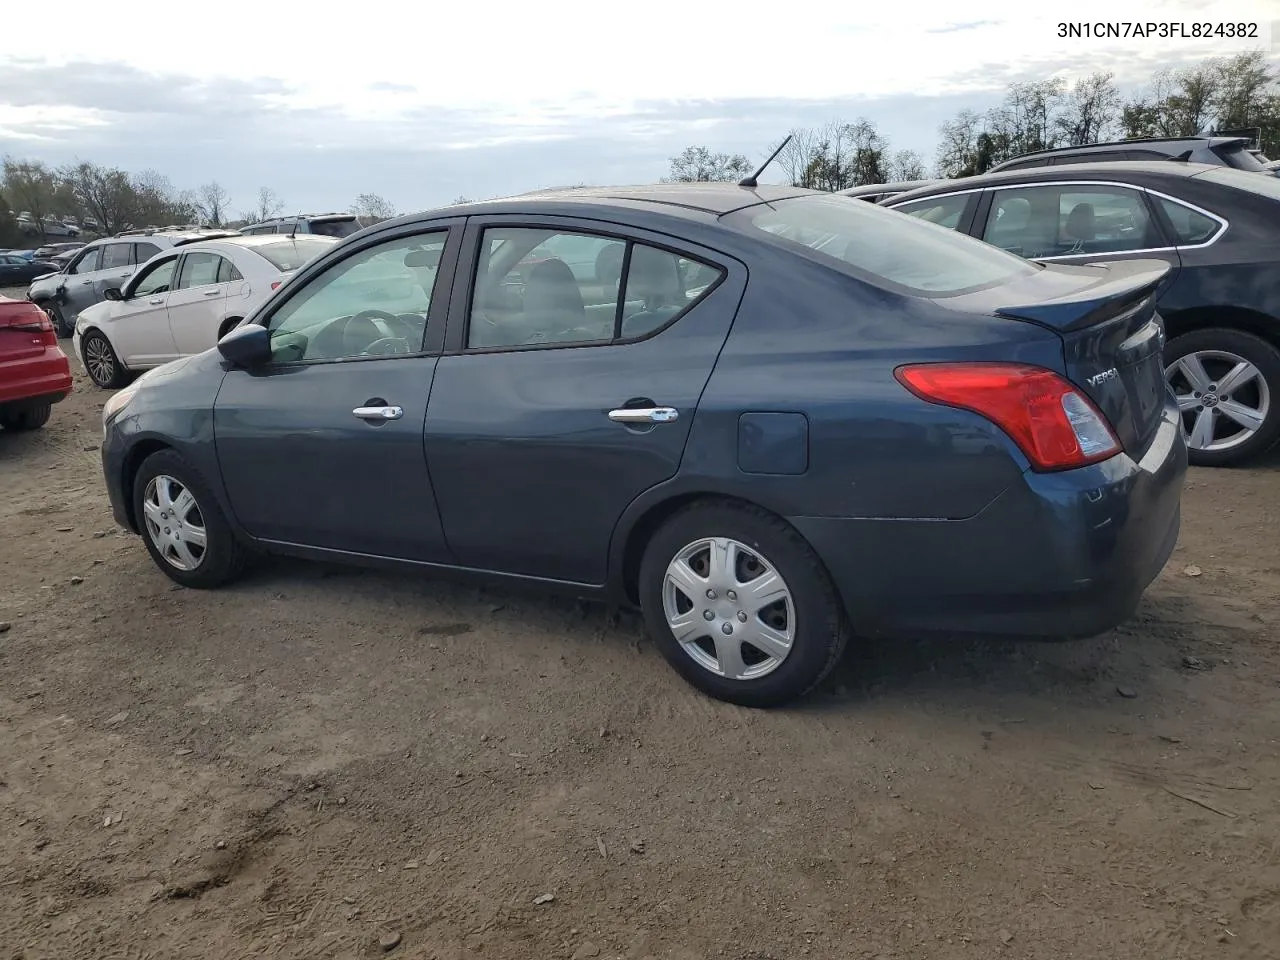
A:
[1239, 156]
[884, 246]
[1261, 184]
[286, 255]
[335, 228]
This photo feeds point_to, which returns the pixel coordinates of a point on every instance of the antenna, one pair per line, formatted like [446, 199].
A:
[294, 229]
[753, 180]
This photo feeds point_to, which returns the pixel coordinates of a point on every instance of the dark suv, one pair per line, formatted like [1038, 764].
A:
[325, 224]
[1220, 151]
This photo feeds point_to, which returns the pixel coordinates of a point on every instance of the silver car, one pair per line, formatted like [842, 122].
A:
[100, 265]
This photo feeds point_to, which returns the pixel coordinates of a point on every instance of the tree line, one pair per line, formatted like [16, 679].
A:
[1218, 93]
[117, 200]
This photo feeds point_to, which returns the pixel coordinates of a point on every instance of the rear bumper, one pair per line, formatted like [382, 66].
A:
[1060, 555]
[45, 378]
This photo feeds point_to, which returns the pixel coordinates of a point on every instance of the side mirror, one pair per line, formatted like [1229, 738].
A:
[246, 346]
[112, 293]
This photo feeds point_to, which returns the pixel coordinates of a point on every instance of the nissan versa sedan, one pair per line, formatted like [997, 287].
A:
[1219, 231]
[770, 418]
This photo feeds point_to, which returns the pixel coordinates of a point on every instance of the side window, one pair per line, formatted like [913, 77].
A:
[944, 211]
[227, 271]
[156, 278]
[289, 228]
[1190, 227]
[537, 287]
[1053, 221]
[199, 269]
[372, 304]
[116, 255]
[144, 252]
[87, 262]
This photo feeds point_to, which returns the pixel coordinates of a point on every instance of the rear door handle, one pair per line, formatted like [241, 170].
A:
[156, 302]
[644, 415]
[389, 412]
[212, 293]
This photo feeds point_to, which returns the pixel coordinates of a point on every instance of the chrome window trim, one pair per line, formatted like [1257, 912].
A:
[1222, 222]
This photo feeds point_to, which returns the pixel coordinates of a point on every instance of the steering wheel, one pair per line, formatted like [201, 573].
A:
[394, 333]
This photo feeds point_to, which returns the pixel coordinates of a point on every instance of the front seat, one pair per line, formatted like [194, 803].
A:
[1081, 227]
[552, 300]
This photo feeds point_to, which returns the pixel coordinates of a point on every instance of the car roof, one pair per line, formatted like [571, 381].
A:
[1120, 170]
[260, 240]
[675, 199]
[1111, 144]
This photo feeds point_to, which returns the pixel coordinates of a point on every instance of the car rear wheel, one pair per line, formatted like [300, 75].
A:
[101, 361]
[1227, 383]
[740, 605]
[185, 531]
[26, 418]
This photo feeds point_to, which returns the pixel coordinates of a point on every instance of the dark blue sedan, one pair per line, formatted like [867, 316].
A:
[770, 418]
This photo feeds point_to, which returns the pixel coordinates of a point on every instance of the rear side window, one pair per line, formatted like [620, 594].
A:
[335, 228]
[227, 271]
[1239, 157]
[882, 246]
[944, 211]
[145, 251]
[286, 255]
[546, 287]
[1189, 226]
[117, 255]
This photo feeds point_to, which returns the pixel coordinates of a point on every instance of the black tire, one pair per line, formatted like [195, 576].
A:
[223, 557]
[112, 375]
[59, 320]
[27, 418]
[820, 630]
[1256, 351]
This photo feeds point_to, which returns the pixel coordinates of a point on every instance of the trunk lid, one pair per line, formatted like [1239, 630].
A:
[1112, 336]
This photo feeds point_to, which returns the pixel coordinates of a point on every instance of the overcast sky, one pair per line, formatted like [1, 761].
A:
[423, 102]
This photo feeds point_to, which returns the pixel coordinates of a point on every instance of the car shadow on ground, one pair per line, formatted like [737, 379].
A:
[966, 672]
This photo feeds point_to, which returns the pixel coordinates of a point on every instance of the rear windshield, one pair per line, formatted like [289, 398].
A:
[885, 246]
[1263, 184]
[286, 255]
[1239, 156]
[335, 228]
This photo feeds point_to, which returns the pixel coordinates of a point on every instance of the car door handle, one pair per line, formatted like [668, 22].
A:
[85, 283]
[644, 415]
[212, 293]
[156, 302]
[378, 413]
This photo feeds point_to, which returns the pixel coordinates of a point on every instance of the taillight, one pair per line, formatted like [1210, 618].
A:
[32, 320]
[276, 283]
[1054, 425]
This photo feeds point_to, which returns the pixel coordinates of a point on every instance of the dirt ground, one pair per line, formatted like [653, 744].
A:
[320, 758]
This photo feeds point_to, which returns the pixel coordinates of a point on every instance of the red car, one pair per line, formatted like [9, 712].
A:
[34, 372]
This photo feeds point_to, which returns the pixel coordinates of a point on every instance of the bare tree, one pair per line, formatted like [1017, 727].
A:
[958, 146]
[699, 164]
[1090, 110]
[370, 206]
[212, 201]
[31, 187]
[907, 165]
[797, 155]
[106, 193]
[267, 205]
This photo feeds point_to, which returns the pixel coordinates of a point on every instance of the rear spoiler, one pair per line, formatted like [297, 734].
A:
[1123, 284]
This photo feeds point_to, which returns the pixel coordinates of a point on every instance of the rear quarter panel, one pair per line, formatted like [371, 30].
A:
[812, 341]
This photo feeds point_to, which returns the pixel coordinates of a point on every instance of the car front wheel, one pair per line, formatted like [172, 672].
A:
[54, 312]
[740, 605]
[1227, 384]
[101, 361]
[185, 530]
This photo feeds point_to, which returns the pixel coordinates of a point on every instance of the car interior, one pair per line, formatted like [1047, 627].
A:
[1048, 223]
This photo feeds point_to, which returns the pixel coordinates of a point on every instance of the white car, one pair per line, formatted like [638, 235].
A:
[182, 300]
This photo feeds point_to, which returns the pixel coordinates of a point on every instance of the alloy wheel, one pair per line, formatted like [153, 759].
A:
[729, 608]
[174, 523]
[1223, 399]
[100, 359]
